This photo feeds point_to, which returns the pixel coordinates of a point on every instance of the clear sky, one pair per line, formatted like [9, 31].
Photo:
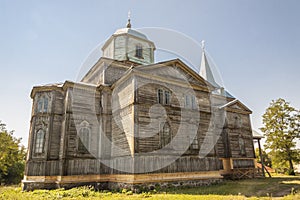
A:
[254, 43]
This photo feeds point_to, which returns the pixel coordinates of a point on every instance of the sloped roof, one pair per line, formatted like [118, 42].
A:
[171, 63]
[239, 106]
[205, 70]
[256, 135]
[130, 31]
[207, 74]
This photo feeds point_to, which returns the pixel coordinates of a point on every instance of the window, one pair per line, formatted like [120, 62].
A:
[187, 101]
[194, 143]
[165, 134]
[160, 96]
[39, 141]
[194, 105]
[163, 97]
[237, 122]
[42, 104]
[190, 101]
[167, 98]
[45, 104]
[242, 145]
[139, 51]
[84, 138]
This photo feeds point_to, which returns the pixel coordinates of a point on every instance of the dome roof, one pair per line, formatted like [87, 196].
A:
[130, 32]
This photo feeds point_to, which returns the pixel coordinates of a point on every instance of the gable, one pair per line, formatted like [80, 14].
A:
[177, 71]
[236, 106]
[106, 71]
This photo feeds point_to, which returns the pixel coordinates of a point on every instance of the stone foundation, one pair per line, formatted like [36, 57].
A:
[134, 182]
[30, 186]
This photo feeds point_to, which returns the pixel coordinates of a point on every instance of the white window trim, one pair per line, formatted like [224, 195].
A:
[39, 141]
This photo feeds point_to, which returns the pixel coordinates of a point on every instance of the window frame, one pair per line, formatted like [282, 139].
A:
[139, 51]
[160, 96]
[167, 97]
[242, 145]
[190, 101]
[194, 143]
[39, 141]
[165, 136]
[164, 96]
[42, 104]
[84, 138]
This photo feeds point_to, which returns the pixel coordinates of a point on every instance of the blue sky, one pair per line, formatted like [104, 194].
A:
[255, 45]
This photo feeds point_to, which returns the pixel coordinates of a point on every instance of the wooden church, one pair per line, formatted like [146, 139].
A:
[131, 122]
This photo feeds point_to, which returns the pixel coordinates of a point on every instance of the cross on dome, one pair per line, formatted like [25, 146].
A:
[128, 25]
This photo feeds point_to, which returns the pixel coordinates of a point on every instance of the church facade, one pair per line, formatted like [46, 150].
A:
[131, 122]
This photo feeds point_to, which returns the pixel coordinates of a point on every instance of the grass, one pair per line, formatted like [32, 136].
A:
[268, 188]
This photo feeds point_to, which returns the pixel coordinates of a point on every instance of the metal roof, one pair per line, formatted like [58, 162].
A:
[130, 31]
[256, 135]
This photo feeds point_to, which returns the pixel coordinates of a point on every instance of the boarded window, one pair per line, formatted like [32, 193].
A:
[165, 135]
[194, 143]
[237, 122]
[39, 141]
[242, 146]
[84, 138]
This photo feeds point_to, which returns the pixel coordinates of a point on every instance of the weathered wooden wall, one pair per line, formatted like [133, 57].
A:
[124, 120]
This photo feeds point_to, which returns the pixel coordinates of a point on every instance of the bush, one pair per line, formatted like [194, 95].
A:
[291, 172]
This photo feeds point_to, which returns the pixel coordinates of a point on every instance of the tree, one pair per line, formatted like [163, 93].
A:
[281, 125]
[12, 157]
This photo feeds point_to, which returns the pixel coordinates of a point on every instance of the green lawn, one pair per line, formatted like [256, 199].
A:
[268, 188]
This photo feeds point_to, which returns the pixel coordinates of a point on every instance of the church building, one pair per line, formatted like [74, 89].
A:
[132, 122]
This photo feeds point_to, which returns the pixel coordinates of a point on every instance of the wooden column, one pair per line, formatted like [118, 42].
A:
[261, 158]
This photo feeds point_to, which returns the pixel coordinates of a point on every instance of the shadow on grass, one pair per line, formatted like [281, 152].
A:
[262, 187]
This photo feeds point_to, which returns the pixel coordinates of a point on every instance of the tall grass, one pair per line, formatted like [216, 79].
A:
[267, 188]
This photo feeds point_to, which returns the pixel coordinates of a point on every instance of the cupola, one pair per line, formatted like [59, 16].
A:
[129, 44]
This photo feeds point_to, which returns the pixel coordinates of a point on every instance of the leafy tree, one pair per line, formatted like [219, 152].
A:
[12, 157]
[266, 158]
[281, 125]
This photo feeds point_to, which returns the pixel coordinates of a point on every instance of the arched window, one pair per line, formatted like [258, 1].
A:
[42, 104]
[165, 135]
[39, 141]
[84, 138]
